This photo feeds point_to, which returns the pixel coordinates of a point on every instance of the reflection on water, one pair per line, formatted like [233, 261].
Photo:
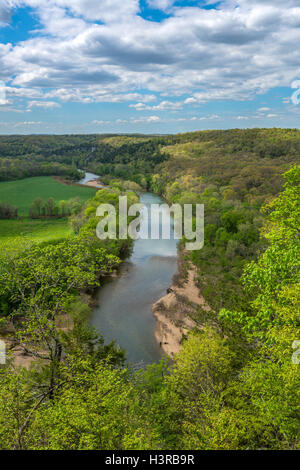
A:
[125, 303]
[88, 177]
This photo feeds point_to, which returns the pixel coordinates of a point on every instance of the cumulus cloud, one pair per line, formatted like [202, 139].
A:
[92, 10]
[211, 117]
[5, 10]
[141, 120]
[92, 51]
[163, 106]
[148, 119]
[160, 4]
[43, 104]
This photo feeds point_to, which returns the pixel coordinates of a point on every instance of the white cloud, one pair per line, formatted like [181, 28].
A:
[190, 100]
[163, 106]
[43, 104]
[153, 119]
[145, 119]
[160, 4]
[100, 123]
[91, 51]
[92, 10]
[5, 10]
[27, 124]
[212, 117]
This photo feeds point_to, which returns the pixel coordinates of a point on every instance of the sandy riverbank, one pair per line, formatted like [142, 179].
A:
[173, 313]
[94, 184]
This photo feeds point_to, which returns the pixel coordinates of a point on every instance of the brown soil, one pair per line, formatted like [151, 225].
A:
[20, 359]
[95, 184]
[16, 352]
[173, 313]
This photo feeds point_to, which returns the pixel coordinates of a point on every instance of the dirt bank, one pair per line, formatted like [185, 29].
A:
[15, 351]
[174, 311]
[94, 184]
[20, 359]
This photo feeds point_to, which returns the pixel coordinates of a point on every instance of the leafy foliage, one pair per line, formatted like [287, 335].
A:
[233, 385]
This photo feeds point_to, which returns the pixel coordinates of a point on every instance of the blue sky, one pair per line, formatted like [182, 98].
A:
[150, 66]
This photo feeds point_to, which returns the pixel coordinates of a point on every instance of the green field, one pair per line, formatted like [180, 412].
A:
[38, 230]
[22, 193]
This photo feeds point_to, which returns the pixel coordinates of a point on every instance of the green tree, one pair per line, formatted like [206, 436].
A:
[42, 282]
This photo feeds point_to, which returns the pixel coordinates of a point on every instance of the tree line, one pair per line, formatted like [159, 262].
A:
[39, 155]
[14, 169]
[41, 209]
[48, 208]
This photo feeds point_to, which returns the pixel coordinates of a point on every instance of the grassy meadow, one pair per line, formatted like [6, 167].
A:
[22, 193]
[38, 230]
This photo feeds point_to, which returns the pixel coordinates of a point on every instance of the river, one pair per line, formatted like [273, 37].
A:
[88, 177]
[124, 311]
[125, 303]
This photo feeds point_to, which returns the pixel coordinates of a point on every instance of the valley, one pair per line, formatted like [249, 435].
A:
[190, 350]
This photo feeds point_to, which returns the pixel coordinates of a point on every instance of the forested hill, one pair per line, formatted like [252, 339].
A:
[24, 156]
[135, 157]
[38, 155]
[251, 155]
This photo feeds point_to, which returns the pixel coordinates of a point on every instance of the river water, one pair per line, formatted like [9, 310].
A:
[88, 177]
[124, 311]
